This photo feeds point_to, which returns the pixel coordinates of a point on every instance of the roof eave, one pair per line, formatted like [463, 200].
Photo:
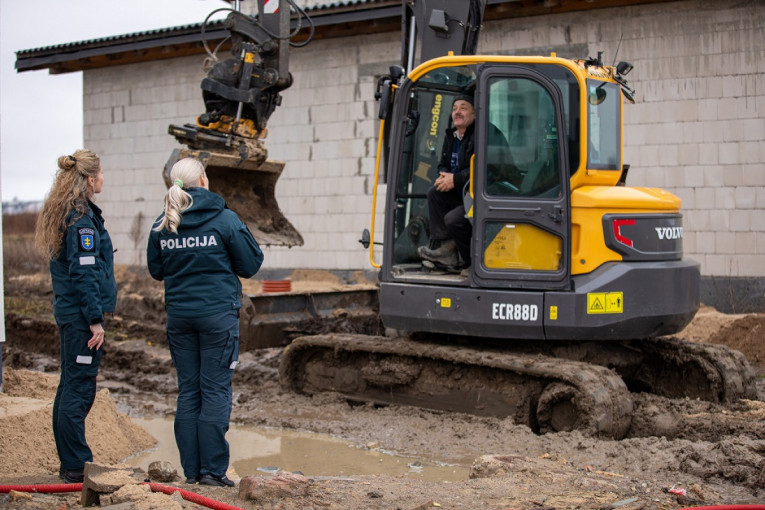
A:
[339, 19]
[187, 40]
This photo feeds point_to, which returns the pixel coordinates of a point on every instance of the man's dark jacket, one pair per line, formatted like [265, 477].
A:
[463, 158]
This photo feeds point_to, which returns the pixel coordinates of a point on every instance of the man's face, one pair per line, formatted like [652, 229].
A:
[463, 114]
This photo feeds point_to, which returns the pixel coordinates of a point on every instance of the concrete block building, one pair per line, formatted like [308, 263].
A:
[697, 128]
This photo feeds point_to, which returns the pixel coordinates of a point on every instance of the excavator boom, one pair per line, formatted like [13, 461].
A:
[240, 93]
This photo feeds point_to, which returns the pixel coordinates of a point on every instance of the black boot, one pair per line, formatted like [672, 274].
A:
[445, 255]
[71, 475]
[216, 481]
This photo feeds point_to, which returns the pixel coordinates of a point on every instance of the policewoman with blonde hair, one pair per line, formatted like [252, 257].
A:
[200, 248]
[70, 232]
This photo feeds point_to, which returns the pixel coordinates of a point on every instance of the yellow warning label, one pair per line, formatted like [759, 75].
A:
[553, 313]
[446, 302]
[605, 302]
[615, 302]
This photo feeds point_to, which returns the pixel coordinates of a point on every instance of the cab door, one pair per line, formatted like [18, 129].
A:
[521, 213]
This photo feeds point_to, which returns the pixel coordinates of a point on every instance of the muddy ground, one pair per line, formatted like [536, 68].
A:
[714, 454]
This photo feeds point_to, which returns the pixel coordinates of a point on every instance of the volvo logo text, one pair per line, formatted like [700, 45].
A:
[669, 232]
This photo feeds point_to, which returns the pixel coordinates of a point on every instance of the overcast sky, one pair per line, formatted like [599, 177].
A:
[41, 113]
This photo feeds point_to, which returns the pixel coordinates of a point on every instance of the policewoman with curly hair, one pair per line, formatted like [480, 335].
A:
[200, 248]
[70, 232]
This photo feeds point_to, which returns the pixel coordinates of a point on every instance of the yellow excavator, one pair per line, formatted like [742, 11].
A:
[576, 280]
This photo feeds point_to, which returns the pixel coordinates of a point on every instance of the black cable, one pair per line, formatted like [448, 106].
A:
[204, 25]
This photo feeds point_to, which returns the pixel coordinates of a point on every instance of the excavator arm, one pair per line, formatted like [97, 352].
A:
[440, 27]
[240, 93]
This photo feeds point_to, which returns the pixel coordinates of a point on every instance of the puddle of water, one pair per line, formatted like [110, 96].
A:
[261, 451]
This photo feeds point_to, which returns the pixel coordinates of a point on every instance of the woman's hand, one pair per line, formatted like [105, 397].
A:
[97, 340]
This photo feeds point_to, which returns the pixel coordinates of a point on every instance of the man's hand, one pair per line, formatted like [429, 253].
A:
[97, 339]
[444, 182]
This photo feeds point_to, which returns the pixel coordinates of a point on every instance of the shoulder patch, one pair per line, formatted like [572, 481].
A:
[87, 239]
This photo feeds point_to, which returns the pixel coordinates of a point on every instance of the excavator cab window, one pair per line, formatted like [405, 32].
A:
[569, 89]
[523, 111]
[528, 165]
[603, 125]
[458, 78]
[428, 118]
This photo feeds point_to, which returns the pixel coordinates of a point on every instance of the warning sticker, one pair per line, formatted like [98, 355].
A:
[446, 302]
[553, 313]
[605, 302]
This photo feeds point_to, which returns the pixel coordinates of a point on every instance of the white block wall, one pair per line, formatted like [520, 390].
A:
[697, 130]
[127, 110]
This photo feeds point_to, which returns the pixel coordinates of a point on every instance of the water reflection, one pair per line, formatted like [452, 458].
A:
[262, 451]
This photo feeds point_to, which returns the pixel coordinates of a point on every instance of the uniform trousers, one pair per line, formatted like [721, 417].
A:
[76, 391]
[205, 351]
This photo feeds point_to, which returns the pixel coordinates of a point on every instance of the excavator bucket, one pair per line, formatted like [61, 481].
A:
[246, 181]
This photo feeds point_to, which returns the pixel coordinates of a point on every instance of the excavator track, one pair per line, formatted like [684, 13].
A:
[697, 370]
[666, 366]
[547, 394]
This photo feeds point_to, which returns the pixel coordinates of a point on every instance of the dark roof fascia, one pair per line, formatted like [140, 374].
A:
[337, 19]
[181, 41]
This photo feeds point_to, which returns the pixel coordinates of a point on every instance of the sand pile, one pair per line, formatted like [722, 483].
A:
[26, 436]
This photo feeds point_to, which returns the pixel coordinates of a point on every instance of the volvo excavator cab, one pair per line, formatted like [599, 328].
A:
[548, 217]
[518, 129]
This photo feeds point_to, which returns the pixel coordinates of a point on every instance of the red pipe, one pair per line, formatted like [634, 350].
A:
[193, 497]
[48, 488]
[726, 507]
[155, 487]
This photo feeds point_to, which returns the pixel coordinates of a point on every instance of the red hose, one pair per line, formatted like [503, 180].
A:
[47, 488]
[217, 505]
[155, 487]
[726, 507]
[193, 497]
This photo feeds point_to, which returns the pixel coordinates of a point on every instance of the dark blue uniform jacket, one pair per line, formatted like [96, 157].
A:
[200, 263]
[83, 274]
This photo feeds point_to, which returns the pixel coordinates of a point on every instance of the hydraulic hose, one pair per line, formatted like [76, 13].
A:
[155, 487]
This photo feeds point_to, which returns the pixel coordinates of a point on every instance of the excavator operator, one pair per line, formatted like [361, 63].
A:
[450, 230]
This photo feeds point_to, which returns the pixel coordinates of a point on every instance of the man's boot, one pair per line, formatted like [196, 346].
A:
[445, 255]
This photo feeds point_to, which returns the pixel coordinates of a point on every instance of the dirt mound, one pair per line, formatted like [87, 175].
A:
[26, 436]
[746, 334]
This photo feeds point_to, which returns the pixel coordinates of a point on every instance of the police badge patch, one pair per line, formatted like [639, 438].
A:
[87, 239]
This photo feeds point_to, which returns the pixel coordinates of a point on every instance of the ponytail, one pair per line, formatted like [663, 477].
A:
[185, 172]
